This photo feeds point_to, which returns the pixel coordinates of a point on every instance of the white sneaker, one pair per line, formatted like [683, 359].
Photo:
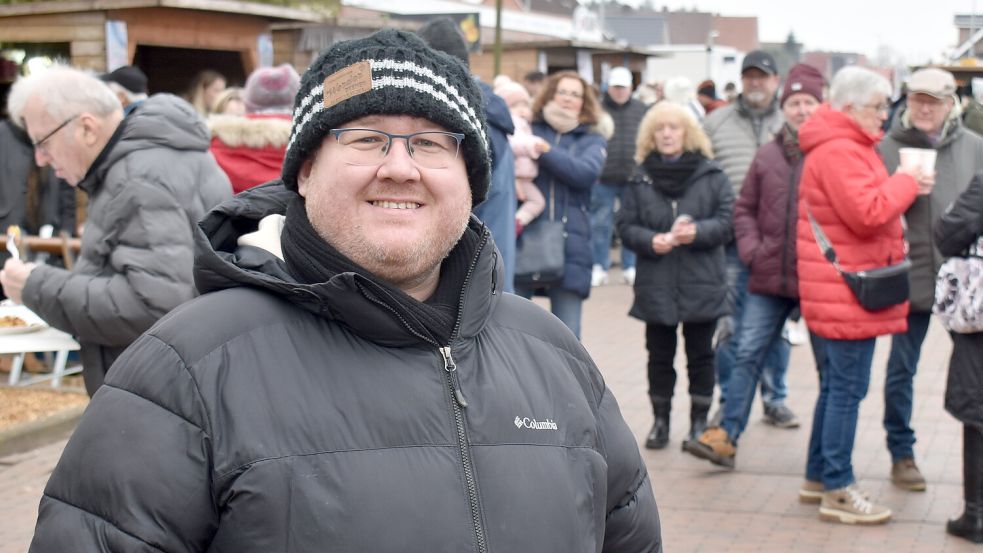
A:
[598, 276]
[628, 275]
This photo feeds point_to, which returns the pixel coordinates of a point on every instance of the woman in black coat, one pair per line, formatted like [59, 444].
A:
[959, 228]
[677, 218]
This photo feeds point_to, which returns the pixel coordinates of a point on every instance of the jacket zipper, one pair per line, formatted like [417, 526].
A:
[783, 283]
[458, 402]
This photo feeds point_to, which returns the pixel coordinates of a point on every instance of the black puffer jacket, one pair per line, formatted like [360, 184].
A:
[688, 284]
[956, 230]
[270, 415]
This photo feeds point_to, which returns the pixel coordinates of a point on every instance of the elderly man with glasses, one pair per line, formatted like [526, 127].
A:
[149, 178]
[353, 377]
[931, 121]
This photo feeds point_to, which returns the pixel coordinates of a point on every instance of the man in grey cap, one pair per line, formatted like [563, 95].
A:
[931, 120]
[736, 131]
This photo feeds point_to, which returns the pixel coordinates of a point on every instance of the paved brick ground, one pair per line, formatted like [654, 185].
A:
[754, 508]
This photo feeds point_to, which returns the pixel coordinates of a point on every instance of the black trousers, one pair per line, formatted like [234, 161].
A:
[660, 340]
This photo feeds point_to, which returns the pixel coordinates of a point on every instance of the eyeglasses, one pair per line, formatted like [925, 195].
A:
[39, 144]
[879, 108]
[570, 93]
[429, 149]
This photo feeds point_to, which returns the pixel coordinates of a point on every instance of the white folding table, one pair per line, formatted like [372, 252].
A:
[44, 340]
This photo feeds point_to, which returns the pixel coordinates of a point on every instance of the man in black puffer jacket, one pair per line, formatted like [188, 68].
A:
[353, 378]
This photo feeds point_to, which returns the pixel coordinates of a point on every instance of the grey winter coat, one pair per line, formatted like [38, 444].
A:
[736, 136]
[147, 189]
[688, 284]
[960, 156]
[270, 415]
[955, 231]
[55, 201]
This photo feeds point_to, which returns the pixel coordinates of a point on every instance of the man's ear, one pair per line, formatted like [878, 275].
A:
[91, 127]
[304, 176]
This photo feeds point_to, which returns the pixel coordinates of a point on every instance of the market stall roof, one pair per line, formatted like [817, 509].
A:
[225, 6]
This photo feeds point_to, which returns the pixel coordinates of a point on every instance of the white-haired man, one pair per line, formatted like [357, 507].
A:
[149, 178]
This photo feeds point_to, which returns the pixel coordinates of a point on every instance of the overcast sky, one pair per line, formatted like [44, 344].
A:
[916, 30]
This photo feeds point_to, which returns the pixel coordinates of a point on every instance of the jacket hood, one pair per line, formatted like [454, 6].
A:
[161, 121]
[251, 131]
[902, 130]
[828, 124]
[223, 260]
[496, 110]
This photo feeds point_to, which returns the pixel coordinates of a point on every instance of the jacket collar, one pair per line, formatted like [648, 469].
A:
[352, 300]
[93, 177]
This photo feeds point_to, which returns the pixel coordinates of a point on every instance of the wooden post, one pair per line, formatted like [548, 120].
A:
[498, 38]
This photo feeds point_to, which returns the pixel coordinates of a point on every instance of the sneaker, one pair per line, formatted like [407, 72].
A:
[850, 505]
[811, 491]
[905, 475]
[780, 416]
[598, 276]
[714, 446]
[628, 275]
[796, 333]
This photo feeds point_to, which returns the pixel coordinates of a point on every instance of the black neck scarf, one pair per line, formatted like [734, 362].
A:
[671, 177]
[313, 260]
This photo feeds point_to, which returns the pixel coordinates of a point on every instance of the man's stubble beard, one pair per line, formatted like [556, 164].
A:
[403, 268]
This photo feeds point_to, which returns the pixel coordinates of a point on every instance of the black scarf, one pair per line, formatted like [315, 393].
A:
[671, 178]
[311, 260]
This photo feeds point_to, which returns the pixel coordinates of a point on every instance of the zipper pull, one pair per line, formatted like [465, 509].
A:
[450, 367]
[449, 364]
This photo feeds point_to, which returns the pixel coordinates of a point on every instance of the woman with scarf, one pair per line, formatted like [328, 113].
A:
[566, 114]
[677, 218]
[765, 219]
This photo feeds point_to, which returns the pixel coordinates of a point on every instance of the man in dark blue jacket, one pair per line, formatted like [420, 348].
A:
[498, 209]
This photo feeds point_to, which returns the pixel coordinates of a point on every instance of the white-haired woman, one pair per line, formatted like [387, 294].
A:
[858, 206]
[677, 218]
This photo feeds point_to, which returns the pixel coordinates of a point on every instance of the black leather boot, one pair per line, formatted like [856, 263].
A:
[658, 437]
[699, 408]
[970, 525]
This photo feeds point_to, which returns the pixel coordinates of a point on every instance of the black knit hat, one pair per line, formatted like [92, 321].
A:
[444, 35]
[391, 72]
[129, 77]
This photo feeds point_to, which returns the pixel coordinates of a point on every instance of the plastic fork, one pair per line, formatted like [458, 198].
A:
[13, 233]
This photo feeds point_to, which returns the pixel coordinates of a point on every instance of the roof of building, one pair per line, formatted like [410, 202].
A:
[268, 11]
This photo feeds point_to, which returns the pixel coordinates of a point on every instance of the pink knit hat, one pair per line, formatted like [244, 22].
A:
[271, 89]
[512, 92]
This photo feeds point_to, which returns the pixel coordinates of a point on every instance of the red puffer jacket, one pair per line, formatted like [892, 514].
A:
[765, 219]
[858, 206]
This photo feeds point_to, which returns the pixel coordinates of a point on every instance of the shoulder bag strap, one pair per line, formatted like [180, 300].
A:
[825, 246]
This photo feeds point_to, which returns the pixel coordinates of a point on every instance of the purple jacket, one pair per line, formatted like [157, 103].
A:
[765, 218]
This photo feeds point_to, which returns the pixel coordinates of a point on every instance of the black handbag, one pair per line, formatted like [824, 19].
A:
[539, 252]
[875, 289]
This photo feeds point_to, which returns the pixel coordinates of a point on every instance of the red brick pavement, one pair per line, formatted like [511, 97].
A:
[754, 508]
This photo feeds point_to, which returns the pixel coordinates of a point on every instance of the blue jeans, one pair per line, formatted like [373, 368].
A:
[773, 386]
[844, 375]
[602, 198]
[902, 363]
[566, 305]
[761, 326]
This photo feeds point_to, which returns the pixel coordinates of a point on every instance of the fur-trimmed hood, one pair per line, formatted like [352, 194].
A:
[251, 131]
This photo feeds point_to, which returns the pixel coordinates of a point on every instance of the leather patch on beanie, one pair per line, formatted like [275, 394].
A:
[348, 82]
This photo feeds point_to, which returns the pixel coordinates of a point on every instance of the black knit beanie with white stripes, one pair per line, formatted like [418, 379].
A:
[391, 72]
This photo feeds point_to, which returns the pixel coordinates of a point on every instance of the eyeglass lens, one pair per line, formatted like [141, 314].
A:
[433, 150]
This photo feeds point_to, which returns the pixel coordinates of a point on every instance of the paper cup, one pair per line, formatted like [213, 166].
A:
[918, 157]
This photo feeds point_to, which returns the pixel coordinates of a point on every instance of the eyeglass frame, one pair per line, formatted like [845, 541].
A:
[458, 137]
[570, 93]
[39, 144]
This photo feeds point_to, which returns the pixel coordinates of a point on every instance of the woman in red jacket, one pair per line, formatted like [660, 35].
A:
[847, 190]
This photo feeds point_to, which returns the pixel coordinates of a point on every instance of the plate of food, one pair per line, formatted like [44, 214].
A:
[17, 319]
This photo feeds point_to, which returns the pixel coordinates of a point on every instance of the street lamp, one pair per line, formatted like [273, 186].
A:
[710, 36]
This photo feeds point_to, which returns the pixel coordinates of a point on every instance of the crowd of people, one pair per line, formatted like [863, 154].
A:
[310, 290]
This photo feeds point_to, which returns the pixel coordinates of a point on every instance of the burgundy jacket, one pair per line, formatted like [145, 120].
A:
[765, 218]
